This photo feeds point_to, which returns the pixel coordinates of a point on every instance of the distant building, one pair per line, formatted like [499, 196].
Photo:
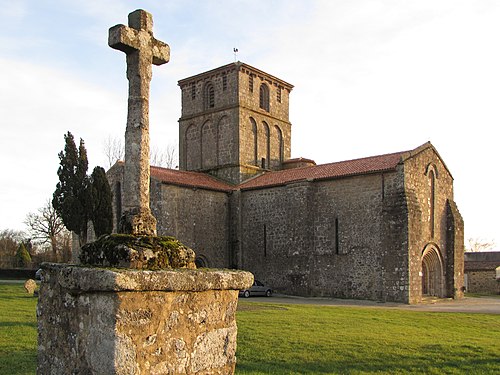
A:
[482, 272]
[383, 227]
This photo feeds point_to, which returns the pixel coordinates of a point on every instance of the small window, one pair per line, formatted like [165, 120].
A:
[224, 82]
[193, 91]
[278, 94]
[264, 97]
[337, 248]
[209, 96]
[250, 83]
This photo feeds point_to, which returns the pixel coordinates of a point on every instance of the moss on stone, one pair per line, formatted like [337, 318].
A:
[141, 252]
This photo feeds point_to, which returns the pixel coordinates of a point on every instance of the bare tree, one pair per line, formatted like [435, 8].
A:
[46, 226]
[9, 243]
[479, 244]
[166, 158]
[113, 150]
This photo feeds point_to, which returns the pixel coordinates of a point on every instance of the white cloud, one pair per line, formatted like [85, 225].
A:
[38, 107]
[370, 77]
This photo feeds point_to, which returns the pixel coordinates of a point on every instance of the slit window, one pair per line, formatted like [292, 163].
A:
[264, 97]
[224, 82]
[193, 91]
[209, 96]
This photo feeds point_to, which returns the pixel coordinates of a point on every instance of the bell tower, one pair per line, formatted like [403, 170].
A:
[234, 122]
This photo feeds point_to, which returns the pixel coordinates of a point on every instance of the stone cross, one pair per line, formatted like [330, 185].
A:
[142, 50]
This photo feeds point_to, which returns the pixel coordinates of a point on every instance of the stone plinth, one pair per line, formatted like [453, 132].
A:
[109, 321]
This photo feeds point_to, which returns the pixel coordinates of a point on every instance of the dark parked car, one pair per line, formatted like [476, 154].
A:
[257, 289]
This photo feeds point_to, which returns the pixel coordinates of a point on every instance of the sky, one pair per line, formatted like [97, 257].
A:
[371, 77]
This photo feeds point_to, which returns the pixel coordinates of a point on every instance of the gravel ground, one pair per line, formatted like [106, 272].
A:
[484, 305]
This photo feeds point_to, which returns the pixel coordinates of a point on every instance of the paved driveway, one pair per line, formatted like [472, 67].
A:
[485, 305]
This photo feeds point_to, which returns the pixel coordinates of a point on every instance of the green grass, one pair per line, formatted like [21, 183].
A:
[18, 330]
[306, 339]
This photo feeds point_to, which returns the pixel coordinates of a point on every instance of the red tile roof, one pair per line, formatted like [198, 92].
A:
[373, 164]
[189, 179]
[325, 171]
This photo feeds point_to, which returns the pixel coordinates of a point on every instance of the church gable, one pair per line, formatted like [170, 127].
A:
[429, 194]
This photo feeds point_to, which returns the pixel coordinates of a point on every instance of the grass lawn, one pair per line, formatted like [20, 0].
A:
[17, 330]
[306, 339]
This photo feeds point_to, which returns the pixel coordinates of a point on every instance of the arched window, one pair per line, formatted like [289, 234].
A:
[267, 134]
[431, 173]
[208, 145]
[280, 143]
[209, 95]
[192, 148]
[255, 141]
[432, 181]
[264, 97]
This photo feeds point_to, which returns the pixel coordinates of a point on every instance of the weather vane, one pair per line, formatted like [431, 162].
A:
[235, 50]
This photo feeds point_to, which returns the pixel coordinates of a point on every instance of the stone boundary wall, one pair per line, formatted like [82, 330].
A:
[482, 281]
[110, 321]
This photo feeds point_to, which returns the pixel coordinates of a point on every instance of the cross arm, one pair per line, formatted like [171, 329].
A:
[123, 38]
[161, 52]
[128, 40]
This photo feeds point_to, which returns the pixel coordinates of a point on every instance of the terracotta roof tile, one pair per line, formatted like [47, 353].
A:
[347, 168]
[326, 171]
[189, 179]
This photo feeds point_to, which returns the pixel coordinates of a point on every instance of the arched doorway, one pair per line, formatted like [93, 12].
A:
[432, 272]
[201, 262]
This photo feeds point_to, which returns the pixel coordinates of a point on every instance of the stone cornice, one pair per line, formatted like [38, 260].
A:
[229, 107]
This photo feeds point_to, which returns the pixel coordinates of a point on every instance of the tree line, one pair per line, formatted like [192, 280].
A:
[79, 201]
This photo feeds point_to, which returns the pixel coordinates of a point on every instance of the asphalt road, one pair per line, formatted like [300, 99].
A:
[483, 305]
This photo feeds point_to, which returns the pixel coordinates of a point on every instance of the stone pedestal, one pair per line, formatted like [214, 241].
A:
[110, 321]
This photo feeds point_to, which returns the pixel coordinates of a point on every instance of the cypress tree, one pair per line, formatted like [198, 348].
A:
[102, 211]
[23, 255]
[71, 199]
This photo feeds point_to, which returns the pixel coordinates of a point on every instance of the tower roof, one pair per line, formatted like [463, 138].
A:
[239, 65]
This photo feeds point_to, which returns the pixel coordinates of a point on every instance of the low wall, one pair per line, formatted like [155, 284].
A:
[482, 282]
[102, 321]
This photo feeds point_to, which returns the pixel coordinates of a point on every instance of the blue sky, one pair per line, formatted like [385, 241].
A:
[371, 77]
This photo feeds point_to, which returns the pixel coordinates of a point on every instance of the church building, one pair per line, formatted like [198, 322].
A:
[383, 227]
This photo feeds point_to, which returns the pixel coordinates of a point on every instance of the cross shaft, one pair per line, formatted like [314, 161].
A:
[142, 50]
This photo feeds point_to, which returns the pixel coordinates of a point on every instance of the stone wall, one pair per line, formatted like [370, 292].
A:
[482, 281]
[319, 238]
[98, 321]
[199, 217]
